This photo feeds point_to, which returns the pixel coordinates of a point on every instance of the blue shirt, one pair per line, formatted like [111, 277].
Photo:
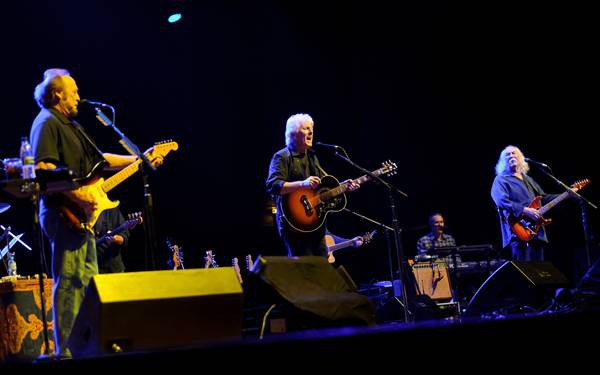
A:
[511, 196]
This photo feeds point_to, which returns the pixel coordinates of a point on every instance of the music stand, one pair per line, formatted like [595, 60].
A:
[46, 181]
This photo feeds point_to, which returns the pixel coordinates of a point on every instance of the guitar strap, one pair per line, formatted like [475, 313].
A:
[85, 139]
[530, 185]
[314, 165]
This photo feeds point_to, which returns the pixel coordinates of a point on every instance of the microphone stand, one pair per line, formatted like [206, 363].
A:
[133, 149]
[582, 202]
[387, 230]
[396, 228]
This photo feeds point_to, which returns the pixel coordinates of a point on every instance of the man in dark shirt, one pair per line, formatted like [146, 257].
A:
[512, 191]
[59, 141]
[295, 167]
[109, 246]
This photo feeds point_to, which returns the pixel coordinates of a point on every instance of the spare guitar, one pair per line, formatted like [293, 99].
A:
[236, 268]
[176, 261]
[134, 219]
[97, 187]
[249, 264]
[332, 246]
[209, 259]
[305, 209]
[525, 229]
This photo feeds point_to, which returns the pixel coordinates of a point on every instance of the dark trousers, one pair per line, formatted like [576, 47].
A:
[301, 244]
[531, 251]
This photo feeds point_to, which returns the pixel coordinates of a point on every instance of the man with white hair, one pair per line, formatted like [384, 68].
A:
[295, 167]
[513, 190]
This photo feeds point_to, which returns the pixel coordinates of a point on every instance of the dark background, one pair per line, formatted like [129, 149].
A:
[438, 87]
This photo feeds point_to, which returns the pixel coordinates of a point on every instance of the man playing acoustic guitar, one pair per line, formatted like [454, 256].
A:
[59, 141]
[293, 168]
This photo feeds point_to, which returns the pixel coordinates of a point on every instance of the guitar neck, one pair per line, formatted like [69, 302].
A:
[121, 176]
[340, 245]
[553, 203]
[329, 194]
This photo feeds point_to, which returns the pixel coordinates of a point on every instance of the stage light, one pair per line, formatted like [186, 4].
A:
[174, 17]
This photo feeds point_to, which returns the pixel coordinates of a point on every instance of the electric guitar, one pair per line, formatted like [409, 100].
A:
[134, 219]
[97, 187]
[332, 246]
[305, 209]
[236, 268]
[526, 229]
[210, 260]
[176, 260]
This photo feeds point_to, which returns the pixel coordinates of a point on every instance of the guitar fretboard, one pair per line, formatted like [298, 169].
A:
[553, 203]
[332, 193]
[120, 176]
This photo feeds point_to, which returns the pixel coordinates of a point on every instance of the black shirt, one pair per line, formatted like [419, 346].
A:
[110, 259]
[58, 140]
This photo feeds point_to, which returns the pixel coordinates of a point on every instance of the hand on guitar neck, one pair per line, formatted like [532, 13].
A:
[351, 184]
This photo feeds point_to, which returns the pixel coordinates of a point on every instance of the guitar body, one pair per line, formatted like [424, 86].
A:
[330, 242]
[305, 211]
[70, 210]
[523, 228]
[97, 188]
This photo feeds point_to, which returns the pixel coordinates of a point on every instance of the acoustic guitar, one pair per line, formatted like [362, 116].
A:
[305, 209]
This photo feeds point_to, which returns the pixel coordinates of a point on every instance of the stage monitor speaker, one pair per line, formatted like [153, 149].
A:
[157, 309]
[517, 285]
[313, 285]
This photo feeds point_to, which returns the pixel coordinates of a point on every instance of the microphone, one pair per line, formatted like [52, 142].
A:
[325, 145]
[537, 163]
[93, 103]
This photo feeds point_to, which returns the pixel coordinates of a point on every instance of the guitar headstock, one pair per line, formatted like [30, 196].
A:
[210, 260]
[176, 260]
[367, 237]
[236, 268]
[163, 148]
[389, 168]
[133, 219]
[578, 185]
[249, 264]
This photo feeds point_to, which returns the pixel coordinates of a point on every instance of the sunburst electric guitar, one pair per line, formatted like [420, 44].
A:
[305, 209]
[97, 187]
[525, 229]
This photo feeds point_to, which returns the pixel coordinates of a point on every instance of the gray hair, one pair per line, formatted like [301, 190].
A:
[292, 125]
[522, 166]
[45, 92]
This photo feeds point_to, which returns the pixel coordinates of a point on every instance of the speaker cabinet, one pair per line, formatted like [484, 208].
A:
[157, 309]
[313, 286]
[432, 279]
[517, 285]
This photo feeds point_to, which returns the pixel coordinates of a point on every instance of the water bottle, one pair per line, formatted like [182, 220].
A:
[28, 171]
[12, 264]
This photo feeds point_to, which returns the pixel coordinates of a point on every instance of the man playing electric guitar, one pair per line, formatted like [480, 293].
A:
[513, 191]
[293, 168]
[112, 237]
[58, 140]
